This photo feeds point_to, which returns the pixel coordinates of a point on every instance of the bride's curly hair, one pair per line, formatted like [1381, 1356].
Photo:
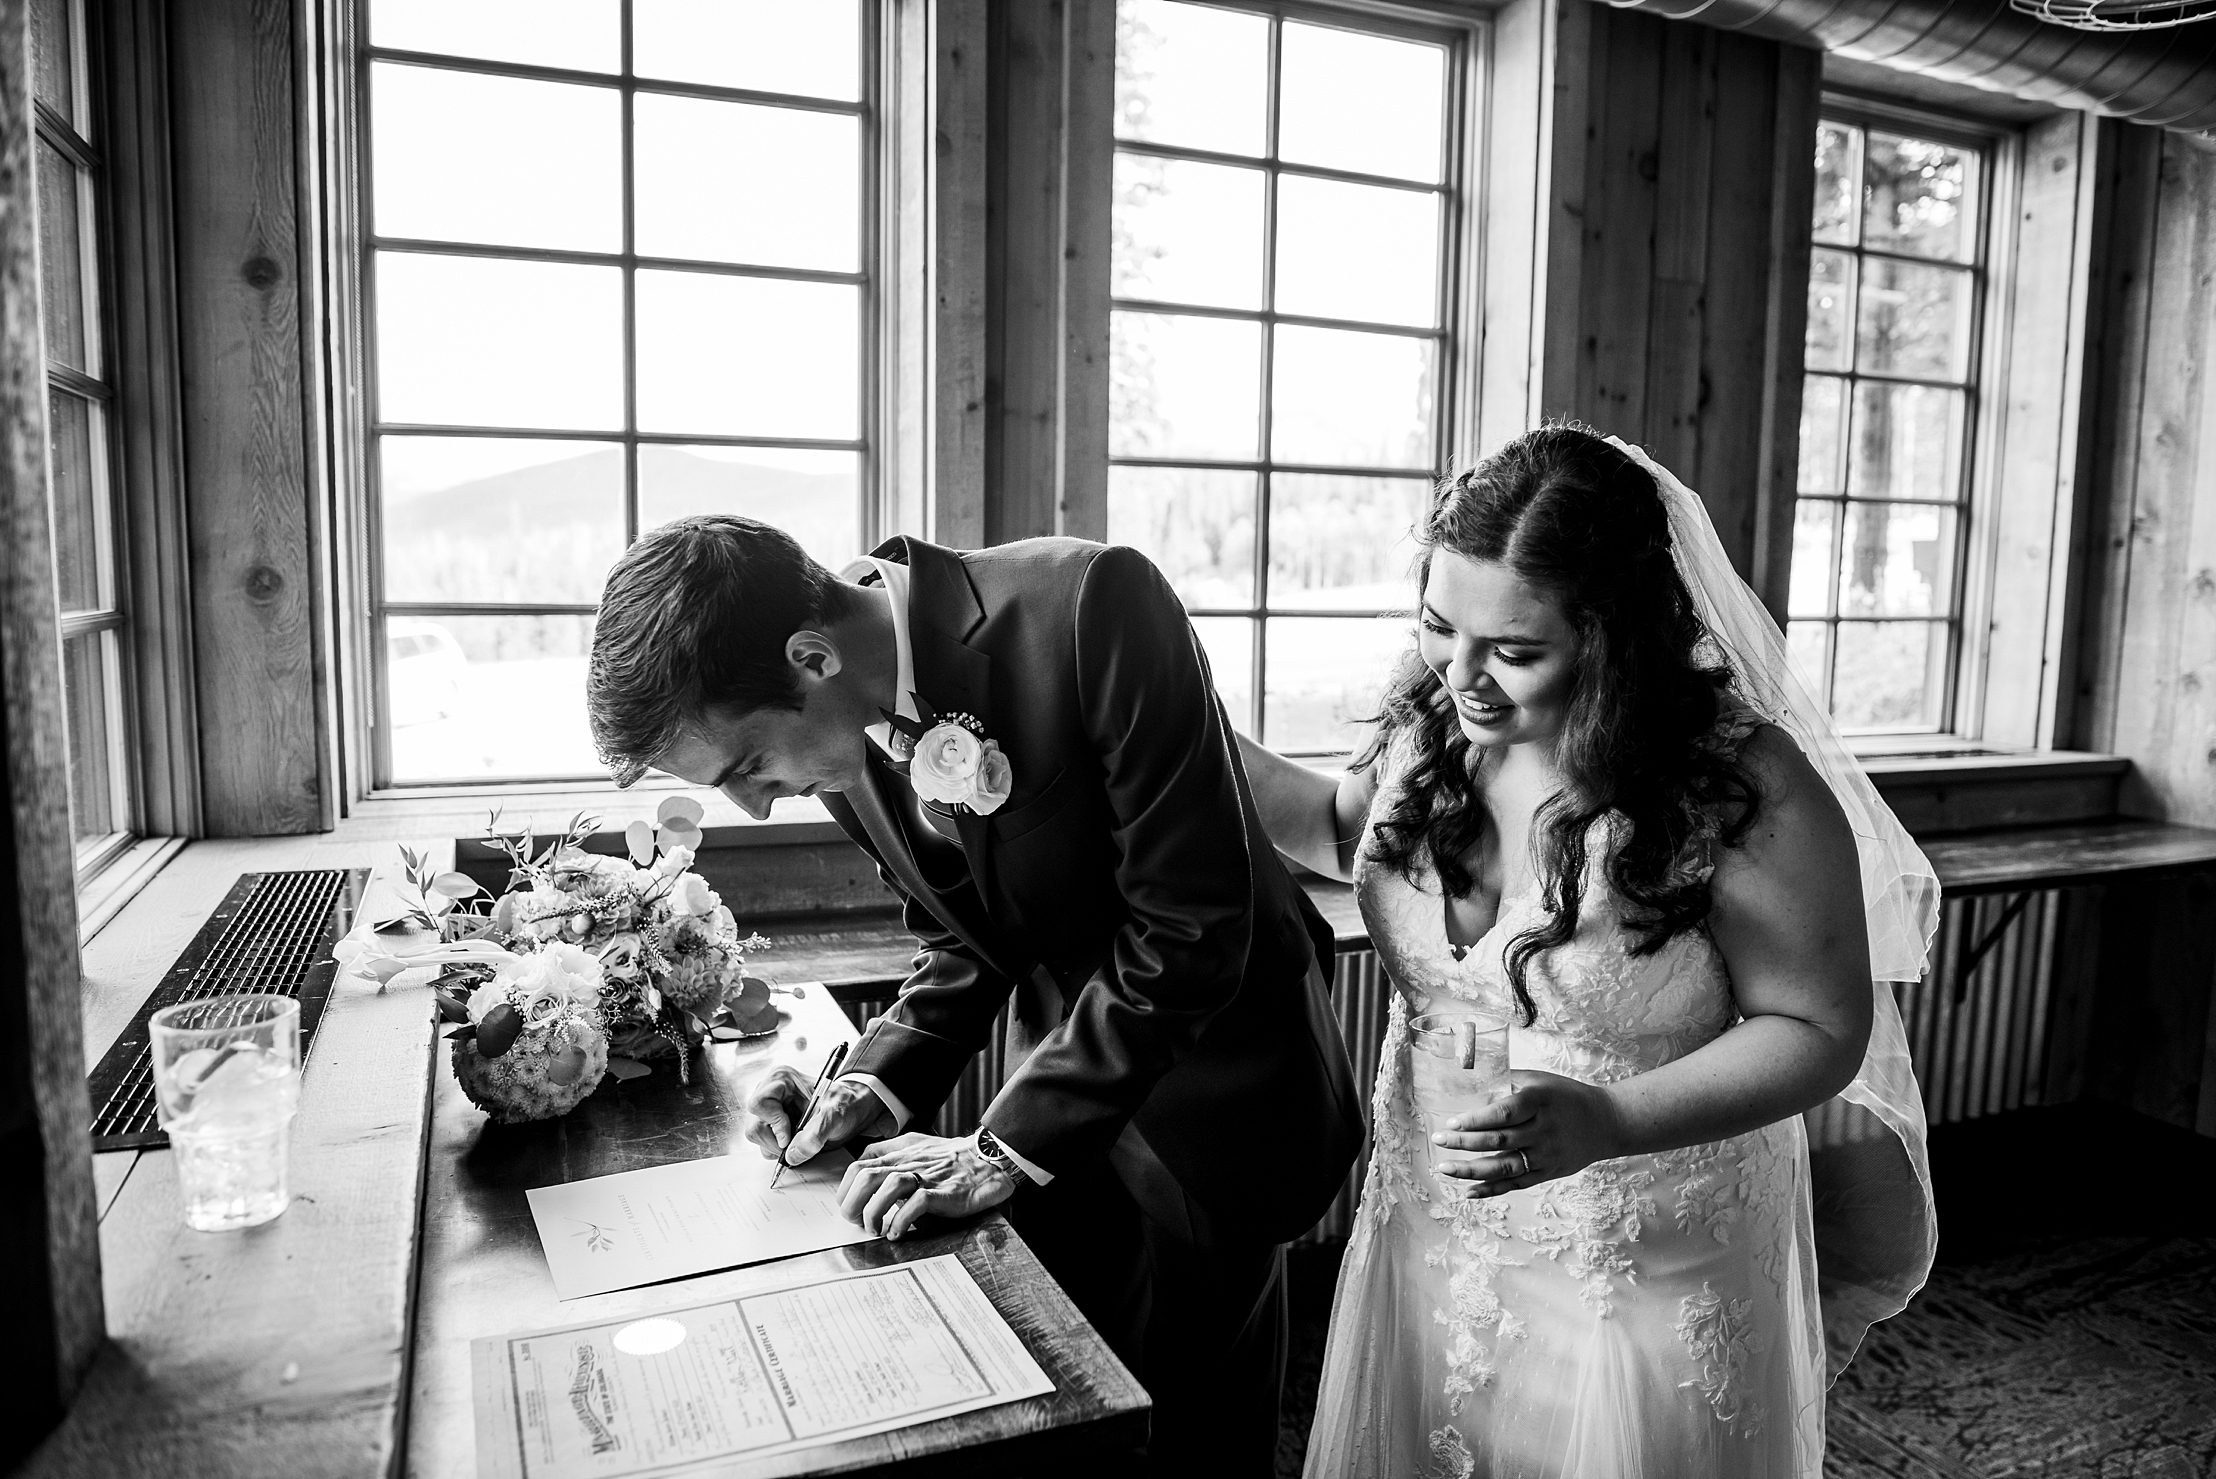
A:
[1583, 523]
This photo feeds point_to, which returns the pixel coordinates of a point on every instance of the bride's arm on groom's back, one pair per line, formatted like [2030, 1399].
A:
[1313, 818]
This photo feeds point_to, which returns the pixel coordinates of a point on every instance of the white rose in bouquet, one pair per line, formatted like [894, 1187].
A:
[692, 897]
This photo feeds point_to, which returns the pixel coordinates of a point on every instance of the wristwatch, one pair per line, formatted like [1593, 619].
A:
[996, 1154]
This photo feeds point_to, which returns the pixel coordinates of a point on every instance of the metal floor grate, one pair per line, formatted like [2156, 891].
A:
[272, 932]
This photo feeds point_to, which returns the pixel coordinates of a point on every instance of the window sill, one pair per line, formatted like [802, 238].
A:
[104, 895]
[1938, 794]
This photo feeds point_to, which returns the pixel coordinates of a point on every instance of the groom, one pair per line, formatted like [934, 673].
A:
[1026, 741]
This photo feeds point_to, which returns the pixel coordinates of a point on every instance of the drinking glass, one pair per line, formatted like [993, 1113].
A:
[226, 1080]
[1457, 1059]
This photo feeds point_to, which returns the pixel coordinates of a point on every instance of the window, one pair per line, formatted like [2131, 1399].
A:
[1896, 294]
[617, 269]
[1289, 191]
[80, 403]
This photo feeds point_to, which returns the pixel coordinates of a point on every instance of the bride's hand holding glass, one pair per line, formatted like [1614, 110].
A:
[1541, 1128]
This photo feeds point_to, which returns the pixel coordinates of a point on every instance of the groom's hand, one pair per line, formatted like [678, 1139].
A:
[897, 1181]
[845, 1109]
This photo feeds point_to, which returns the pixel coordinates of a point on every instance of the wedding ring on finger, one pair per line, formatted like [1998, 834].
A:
[1523, 1161]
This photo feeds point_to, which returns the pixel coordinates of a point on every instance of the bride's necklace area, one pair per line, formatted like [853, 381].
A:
[1485, 770]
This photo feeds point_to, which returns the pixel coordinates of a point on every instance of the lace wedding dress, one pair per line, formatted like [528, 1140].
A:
[1656, 1315]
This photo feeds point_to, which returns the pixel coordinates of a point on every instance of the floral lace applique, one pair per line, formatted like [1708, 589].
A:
[1719, 1336]
[1591, 1217]
[1711, 1188]
[1450, 1456]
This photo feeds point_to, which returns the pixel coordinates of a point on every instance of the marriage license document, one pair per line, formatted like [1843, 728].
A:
[750, 1385]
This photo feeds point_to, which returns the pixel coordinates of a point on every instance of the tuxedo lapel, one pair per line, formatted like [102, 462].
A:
[877, 804]
[952, 676]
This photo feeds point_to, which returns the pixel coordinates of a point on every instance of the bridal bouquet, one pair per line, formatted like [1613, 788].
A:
[588, 964]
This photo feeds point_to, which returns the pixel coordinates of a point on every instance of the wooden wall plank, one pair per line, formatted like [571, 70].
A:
[2130, 168]
[1618, 266]
[959, 47]
[1088, 204]
[238, 257]
[1793, 194]
[1741, 269]
[50, 1301]
[1023, 270]
[2160, 674]
[1576, 76]
[1684, 162]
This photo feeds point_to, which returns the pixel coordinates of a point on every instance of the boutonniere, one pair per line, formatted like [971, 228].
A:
[949, 760]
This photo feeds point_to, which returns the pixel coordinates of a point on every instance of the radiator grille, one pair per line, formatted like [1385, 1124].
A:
[273, 932]
[1977, 1036]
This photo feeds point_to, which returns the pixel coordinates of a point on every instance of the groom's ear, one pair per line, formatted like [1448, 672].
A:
[815, 655]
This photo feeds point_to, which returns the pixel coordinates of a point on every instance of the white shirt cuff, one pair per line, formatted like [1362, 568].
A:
[876, 1086]
[1039, 1175]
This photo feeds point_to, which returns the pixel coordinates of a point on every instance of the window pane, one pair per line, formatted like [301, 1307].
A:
[733, 182]
[1898, 560]
[1184, 387]
[1326, 675]
[1347, 543]
[748, 356]
[61, 258]
[50, 53]
[1804, 649]
[79, 528]
[459, 156]
[1830, 287]
[1913, 320]
[1229, 643]
[1367, 103]
[1357, 251]
[1187, 233]
[1814, 524]
[1916, 197]
[1823, 416]
[1835, 178]
[89, 679]
[1889, 674]
[493, 519]
[1351, 399]
[466, 341]
[813, 496]
[478, 697]
[1192, 76]
[585, 35]
[812, 49]
[1907, 442]
[1197, 524]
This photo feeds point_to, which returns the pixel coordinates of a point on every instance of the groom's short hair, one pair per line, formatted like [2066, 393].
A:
[694, 616]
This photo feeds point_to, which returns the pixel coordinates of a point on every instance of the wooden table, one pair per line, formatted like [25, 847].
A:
[483, 1273]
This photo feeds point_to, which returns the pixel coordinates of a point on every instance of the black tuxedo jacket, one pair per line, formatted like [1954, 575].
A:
[1125, 897]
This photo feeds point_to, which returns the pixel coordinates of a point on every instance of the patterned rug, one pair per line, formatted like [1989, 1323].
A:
[2069, 1328]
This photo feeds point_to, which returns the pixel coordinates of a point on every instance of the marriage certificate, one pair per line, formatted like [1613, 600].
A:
[748, 1386]
[669, 1222]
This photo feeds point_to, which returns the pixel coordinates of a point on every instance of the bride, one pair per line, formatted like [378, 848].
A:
[1598, 807]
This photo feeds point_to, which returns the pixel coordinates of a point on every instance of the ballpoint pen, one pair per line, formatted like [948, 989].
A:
[830, 1066]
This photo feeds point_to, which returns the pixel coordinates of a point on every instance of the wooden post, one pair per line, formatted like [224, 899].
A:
[1051, 163]
[245, 335]
[50, 1299]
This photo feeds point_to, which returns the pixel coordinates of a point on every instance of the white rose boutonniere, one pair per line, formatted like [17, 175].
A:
[951, 762]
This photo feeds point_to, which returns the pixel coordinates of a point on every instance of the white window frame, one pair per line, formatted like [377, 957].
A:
[1469, 100]
[365, 752]
[1960, 713]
